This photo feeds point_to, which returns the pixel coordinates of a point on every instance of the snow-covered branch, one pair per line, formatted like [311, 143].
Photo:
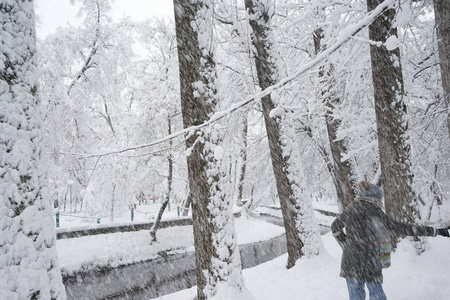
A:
[347, 34]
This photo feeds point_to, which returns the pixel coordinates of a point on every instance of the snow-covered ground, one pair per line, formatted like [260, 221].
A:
[410, 277]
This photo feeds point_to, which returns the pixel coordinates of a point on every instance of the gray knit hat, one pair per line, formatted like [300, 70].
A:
[367, 189]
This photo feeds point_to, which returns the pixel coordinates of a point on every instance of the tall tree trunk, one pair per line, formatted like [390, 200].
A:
[442, 20]
[216, 252]
[390, 109]
[341, 171]
[296, 211]
[29, 263]
[243, 161]
[155, 226]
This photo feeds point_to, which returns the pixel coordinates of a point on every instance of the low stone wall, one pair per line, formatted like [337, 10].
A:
[158, 277]
[67, 233]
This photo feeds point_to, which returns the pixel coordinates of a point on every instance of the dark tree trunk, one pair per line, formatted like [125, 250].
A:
[243, 162]
[341, 171]
[194, 113]
[442, 20]
[342, 177]
[197, 67]
[155, 226]
[390, 109]
[186, 205]
[268, 75]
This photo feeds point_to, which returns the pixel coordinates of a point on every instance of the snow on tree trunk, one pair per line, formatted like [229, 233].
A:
[243, 166]
[341, 171]
[29, 267]
[216, 251]
[298, 216]
[390, 110]
[442, 20]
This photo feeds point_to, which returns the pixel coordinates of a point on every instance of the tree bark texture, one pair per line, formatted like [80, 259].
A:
[442, 20]
[390, 109]
[210, 205]
[29, 263]
[194, 112]
[266, 68]
[243, 161]
[341, 171]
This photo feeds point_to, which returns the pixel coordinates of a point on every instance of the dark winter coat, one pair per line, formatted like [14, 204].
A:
[364, 223]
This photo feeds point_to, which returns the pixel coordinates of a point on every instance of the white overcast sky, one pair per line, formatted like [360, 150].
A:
[52, 14]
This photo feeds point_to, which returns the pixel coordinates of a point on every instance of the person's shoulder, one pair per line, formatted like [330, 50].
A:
[359, 206]
[356, 203]
[353, 206]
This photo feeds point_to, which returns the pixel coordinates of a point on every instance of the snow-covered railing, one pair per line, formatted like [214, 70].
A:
[58, 215]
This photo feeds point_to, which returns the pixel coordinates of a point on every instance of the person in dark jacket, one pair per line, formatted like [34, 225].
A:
[366, 225]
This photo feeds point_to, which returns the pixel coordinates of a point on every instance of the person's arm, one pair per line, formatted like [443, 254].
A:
[337, 228]
[409, 229]
[443, 231]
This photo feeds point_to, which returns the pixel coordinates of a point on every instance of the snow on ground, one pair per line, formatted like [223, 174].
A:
[410, 277]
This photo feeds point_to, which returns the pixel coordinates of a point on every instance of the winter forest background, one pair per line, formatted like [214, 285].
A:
[101, 97]
[348, 101]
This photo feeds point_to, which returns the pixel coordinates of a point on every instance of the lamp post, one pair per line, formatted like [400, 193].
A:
[70, 183]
